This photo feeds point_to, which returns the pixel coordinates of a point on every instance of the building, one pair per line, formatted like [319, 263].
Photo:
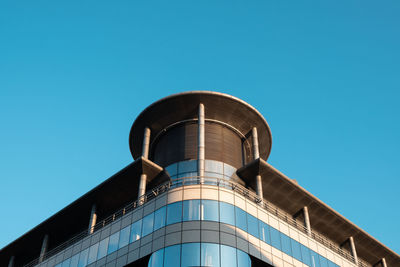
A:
[198, 193]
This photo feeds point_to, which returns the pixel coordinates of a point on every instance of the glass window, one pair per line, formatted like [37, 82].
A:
[209, 178]
[314, 259]
[243, 259]
[83, 256]
[148, 223]
[305, 255]
[275, 238]
[241, 220]
[187, 166]
[191, 210]
[159, 218]
[124, 237]
[210, 255]
[136, 230]
[228, 256]
[102, 251]
[226, 213]
[172, 256]
[66, 263]
[209, 210]
[252, 225]
[156, 259]
[213, 166]
[286, 246]
[264, 232]
[296, 251]
[323, 261]
[190, 254]
[113, 243]
[229, 171]
[74, 260]
[93, 253]
[174, 213]
[58, 265]
[172, 169]
[331, 264]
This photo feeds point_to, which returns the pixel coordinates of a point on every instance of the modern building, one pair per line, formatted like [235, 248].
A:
[198, 193]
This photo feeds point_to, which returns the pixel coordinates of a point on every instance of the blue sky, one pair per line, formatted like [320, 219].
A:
[325, 74]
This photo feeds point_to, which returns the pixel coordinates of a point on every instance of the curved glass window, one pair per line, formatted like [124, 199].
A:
[174, 213]
[124, 237]
[252, 225]
[159, 218]
[209, 210]
[191, 210]
[199, 254]
[226, 213]
[241, 218]
[113, 243]
[148, 223]
[136, 230]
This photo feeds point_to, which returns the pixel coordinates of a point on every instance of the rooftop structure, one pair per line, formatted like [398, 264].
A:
[199, 193]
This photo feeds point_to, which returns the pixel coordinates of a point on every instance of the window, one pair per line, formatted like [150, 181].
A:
[296, 251]
[305, 254]
[187, 166]
[209, 210]
[241, 220]
[210, 255]
[156, 259]
[148, 223]
[159, 218]
[228, 256]
[264, 232]
[275, 238]
[214, 166]
[66, 263]
[74, 260]
[323, 261]
[113, 243]
[136, 230]
[190, 254]
[314, 259]
[174, 213]
[172, 169]
[102, 251]
[252, 225]
[286, 246]
[83, 256]
[226, 213]
[243, 259]
[191, 210]
[93, 253]
[172, 256]
[124, 237]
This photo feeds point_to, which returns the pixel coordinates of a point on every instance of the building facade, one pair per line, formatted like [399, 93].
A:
[199, 193]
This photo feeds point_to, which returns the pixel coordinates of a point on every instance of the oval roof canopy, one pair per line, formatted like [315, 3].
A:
[184, 106]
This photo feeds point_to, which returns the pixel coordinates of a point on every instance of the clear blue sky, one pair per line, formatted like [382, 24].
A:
[325, 74]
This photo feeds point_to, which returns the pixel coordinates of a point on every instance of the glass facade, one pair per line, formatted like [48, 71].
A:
[201, 254]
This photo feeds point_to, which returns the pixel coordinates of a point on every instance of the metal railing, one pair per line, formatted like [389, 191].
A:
[196, 180]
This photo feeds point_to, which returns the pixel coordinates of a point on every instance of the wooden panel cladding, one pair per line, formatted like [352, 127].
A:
[176, 144]
[223, 144]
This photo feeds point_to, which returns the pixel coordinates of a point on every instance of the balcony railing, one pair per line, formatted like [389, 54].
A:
[196, 180]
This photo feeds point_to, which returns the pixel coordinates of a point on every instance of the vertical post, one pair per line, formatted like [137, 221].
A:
[383, 262]
[44, 248]
[11, 261]
[256, 155]
[145, 154]
[353, 250]
[92, 220]
[201, 142]
[307, 220]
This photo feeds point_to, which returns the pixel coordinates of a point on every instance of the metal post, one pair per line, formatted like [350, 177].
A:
[92, 220]
[307, 220]
[383, 261]
[145, 154]
[256, 155]
[11, 261]
[201, 142]
[353, 250]
[44, 248]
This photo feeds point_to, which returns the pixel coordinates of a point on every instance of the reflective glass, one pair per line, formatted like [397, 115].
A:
[93, 253]
[159, 218]
[252, 225]
[286, 246]
[275, 238]
[209, 210]
[191, 210]
[210, 255]
[331, 264]
[74, 260]
[156, 259]
[148, 223]
[243, 259]
[103, 246]
[124, 237]
[214, 166]
[209, 178]
[174, 213]
[187, 166]
[305, 255]
[241, 220]
[136, 230]
[172, 256]
[113, 243]
[83, 256]
[172, 169]
[314, 259]
[323, 261]
[58, 265]
[296, 251]
[190, 255]
[226, 213]
[66, 263]
[228, 256]
[229, 170]
[264, 232]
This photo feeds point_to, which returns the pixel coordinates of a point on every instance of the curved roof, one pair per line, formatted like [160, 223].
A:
[184, 106]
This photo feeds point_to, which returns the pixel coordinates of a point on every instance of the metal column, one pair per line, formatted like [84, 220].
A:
[11, 261]
[353, 250]
[43, 251]
[145, 154]
[92, 220]
[201, 142]
[256, 155]
[307, 220]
